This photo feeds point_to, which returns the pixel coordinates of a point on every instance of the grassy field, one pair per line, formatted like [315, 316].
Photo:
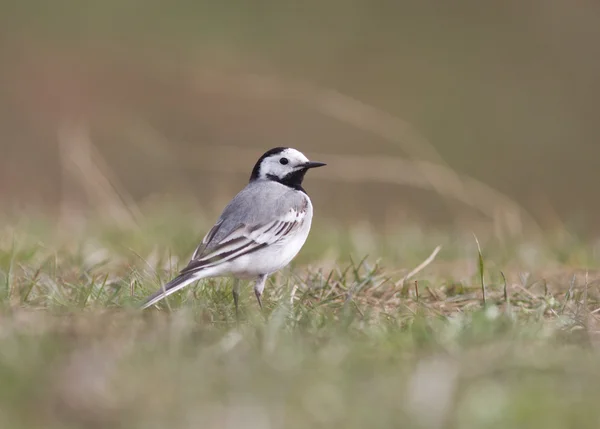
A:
[346, 338]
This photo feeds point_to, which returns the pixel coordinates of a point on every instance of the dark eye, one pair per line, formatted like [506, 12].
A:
[283, 161]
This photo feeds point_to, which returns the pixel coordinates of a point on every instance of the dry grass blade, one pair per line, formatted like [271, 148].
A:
[422, 265]
[293, 294]
[505, 288]
[415, 271]
[417, 290]
[82, 164]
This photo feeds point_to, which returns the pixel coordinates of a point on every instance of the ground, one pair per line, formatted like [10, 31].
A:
[346, 338]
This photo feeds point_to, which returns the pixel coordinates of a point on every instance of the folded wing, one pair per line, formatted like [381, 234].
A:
[245, 239]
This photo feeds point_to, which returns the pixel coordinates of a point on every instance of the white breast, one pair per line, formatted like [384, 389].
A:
[277, 255]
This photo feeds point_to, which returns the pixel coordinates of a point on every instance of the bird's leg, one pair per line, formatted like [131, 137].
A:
[259, 286]
[258, 298]
[236, 295]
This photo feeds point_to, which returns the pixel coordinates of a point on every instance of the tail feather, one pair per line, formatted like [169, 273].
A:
[173, 286]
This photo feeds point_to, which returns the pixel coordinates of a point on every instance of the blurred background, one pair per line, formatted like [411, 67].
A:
[433, 112]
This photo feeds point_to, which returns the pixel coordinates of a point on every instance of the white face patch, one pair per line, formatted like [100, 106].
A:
[281, 164]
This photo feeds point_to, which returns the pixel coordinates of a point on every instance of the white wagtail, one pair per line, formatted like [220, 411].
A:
[259, 232]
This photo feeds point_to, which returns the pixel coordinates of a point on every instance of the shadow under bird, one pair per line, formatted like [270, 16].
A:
[259, 232]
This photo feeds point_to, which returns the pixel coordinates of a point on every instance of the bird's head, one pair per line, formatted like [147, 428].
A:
[284, 165]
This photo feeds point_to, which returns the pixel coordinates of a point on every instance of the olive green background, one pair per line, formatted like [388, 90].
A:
[506, 92]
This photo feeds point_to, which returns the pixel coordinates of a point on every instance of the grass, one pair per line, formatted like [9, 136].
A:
[345, 339]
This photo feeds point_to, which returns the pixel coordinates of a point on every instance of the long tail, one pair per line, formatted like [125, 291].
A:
[179, 282]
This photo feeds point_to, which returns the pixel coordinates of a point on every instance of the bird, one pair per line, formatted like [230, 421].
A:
[259, 232]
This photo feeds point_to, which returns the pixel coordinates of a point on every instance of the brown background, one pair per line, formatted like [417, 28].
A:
[158, 94]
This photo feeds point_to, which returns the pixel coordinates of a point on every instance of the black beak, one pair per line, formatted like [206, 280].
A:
[311, 164]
